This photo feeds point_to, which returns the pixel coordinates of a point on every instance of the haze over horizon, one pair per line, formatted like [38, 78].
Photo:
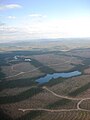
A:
[43, 19]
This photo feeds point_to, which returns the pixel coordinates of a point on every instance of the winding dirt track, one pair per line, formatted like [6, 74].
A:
[48, 110]
[23, 73]
[60, 110]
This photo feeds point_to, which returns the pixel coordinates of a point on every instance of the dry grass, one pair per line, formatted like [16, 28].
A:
[81, 53]
[8, 71]
[23, 67]
[36, 73]
[57, 62]
[17, 68]
[48, 59]
[15, 71]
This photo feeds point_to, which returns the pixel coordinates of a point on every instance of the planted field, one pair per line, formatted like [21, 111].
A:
[13, 91]
[85, 104]
[84, 94]
[66, 86]
[39, 99]
[63, 104]
[74, 115]
[22, 98]
[80, 90]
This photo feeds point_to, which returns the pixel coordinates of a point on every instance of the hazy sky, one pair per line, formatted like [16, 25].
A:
[34, 19]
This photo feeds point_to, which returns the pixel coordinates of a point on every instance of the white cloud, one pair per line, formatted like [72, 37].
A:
[9, 6]
[37, 16]
[6, 30]
[47, 29]
[11, 17]
[2, 24]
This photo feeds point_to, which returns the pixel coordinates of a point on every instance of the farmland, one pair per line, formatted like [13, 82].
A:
[23, 98]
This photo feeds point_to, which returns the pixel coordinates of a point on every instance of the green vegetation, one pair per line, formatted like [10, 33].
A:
[4, 116]
[58, 103]
[17, 83]
[20, 97]
[79, 90]
[9, 56]
[44, 69]
[82, 67]
[53, 82]
[2, 75]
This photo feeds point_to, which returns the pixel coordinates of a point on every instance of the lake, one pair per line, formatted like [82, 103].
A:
[49, 77]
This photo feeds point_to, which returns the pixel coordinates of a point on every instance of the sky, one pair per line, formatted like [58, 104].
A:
[38, 19]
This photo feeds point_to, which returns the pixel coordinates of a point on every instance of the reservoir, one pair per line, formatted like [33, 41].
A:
[49, 77]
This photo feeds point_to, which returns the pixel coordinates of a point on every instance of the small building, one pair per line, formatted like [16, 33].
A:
[28, 60]
[15, 57]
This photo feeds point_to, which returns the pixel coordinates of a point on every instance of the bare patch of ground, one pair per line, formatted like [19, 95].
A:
[87, 71]
[17, 68]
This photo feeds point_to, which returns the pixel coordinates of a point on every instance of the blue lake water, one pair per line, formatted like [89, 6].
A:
[49, 77]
